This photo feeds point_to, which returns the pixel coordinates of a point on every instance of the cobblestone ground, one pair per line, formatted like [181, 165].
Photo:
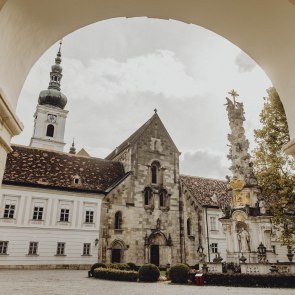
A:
[63, 282]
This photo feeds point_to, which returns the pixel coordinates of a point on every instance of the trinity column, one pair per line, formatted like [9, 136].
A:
[246, 223]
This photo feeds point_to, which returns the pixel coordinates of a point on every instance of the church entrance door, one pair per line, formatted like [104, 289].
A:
[155, 255]
[116, 255]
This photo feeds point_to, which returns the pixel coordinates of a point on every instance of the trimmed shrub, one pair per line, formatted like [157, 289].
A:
[250, 280]
[132, 266]
[115, 274]
[179, 273]
[148, 273]
[121, 266]
[97, 265]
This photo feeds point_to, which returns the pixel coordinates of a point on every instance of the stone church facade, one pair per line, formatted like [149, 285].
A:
[140, 216]
[155, 215]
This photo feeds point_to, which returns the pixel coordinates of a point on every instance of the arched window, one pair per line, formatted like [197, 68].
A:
[50, 130]
[188, 226]
[118, 220]
[154, 171]
[147, 196]
[163, 198]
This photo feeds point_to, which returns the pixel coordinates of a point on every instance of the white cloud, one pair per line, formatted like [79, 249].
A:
[159, 73]
[204, 163]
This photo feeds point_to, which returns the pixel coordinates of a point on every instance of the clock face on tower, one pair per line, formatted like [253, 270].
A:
[51, 118]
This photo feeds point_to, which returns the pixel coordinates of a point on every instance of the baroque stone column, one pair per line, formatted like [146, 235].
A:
[9, 127]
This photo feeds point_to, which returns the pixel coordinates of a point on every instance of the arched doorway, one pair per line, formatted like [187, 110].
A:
[117, 251]
[159, 249]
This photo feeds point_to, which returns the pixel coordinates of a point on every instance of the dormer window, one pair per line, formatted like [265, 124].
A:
[76, 180]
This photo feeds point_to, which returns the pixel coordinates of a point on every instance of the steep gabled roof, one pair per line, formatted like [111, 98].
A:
[204, 190]
[27, 166]
[131, 139]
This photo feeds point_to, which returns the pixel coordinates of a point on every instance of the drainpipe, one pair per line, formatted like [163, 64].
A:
[208, 245]
[181, 229]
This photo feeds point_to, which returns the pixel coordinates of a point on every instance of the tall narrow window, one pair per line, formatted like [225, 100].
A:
[9, 210]
[38, 213]
[154, 170]
[33, 248]
[188, 226]
[50, 130]
[213, 223]
[3, 247]
[147, 196]
[163, 198]
[118, 220]
[60, 250]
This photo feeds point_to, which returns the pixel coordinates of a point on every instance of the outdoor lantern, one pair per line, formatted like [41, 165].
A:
[96, 241]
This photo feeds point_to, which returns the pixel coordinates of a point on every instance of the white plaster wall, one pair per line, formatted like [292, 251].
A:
[215, 236]
[22, 229]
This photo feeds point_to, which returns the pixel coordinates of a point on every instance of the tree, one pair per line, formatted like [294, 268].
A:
[273, 168]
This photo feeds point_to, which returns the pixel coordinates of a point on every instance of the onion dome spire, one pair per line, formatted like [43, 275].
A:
[56, 71]
[72, 148]
[53, 96]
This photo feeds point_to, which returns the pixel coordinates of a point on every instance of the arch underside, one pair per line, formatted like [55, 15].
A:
[263, 29]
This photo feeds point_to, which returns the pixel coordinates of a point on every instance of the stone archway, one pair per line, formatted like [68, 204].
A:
[268, 38]
[158, 249]
[117, 249]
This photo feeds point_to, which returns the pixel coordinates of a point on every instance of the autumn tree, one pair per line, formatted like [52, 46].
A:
[273, 168]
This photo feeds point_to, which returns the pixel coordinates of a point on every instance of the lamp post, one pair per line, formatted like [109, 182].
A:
[261, 253]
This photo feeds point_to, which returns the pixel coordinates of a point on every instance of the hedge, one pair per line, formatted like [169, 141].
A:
[178, 273]
[148, 273]
[250, 280]
[94, 266]
[120, 266]
[115, 274]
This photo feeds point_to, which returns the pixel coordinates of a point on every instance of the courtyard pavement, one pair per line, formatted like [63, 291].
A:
[75, 282]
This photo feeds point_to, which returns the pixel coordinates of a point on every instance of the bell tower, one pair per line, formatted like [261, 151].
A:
[50, 116]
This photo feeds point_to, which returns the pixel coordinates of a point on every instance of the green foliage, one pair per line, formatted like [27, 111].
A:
[274, 169]
[132, 266]
[121, 266]
[115, 274]
[250, 280]
[97, 265]
[179, 273]
[148, 273]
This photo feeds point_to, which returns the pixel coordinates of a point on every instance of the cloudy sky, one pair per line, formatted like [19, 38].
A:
[116, 72]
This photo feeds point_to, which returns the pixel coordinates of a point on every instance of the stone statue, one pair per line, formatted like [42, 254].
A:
[241, 167]
[244, 240]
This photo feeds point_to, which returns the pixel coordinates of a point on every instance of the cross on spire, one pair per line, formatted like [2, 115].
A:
[233, 94]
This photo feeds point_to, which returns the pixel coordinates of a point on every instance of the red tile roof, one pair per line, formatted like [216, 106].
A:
[29, 166]
[203, 189]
